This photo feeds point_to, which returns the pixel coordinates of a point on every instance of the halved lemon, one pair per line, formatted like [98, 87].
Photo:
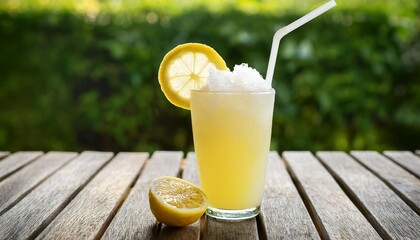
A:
[176, 202]
[187, 67]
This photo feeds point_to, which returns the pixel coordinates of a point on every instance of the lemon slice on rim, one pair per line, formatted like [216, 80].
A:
[187, 67]
[176, 202]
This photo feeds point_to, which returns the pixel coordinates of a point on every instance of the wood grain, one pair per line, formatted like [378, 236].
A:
[390, 215]
[16, 161]
[189, 173]
[34, 212]
[335, 214]
[3, 154]
[88, 212]
[135, 220]
[284, 215]
[407, 160]
[16, 186]
[219, 229]
[406, 185]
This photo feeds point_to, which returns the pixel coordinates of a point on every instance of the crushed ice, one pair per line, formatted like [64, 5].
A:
[242, 78]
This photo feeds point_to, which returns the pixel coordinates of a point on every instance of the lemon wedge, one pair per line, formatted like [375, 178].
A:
[187, 67]
[176, 202]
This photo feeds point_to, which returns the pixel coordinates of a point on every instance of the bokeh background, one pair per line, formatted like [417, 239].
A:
[78, 75]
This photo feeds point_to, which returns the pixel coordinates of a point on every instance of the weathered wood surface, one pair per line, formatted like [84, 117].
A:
[284, 215]
[407, 160]
[15, 161]
[87, 214]
[16, 186]
[134, 220]
[220, 229]
[406, 185]
[334, 213]
[3, 154]
[95, 196]
[34, 212]
[388, 213]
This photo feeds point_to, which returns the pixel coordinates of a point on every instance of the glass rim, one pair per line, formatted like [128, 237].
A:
[272, 90]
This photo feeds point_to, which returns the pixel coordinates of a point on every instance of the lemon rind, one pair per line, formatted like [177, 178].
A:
[171, 56]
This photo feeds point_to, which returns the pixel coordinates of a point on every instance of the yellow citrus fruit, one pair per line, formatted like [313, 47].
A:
[187, 67]
[176, 202]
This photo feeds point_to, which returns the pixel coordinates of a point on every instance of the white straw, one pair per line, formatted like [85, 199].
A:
[287, 29]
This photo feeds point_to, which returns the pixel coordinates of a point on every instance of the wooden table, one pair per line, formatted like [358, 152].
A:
[96, 195]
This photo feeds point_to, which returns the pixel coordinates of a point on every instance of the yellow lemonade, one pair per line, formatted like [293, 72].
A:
[232, 132]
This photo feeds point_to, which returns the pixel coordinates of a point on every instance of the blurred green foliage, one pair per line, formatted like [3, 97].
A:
[72, 81]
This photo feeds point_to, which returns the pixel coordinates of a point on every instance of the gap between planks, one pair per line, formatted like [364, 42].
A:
[386, 211]
[3, 154]
[134, 219]
[283, 207]
[86, 214]
[18, 185]
[308, 204]
[33, 213]
[402, 182]
[333, 212]
[406, 159]
[120, 202]
[14, 162]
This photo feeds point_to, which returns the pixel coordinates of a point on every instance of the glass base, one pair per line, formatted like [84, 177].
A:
[226, 214]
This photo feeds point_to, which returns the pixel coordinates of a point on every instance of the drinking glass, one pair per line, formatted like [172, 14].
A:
[232, 133]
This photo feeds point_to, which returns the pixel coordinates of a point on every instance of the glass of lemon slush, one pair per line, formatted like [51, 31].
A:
[231, 116]
[232, 132]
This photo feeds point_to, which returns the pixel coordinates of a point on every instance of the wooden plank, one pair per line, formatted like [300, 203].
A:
[407, 160]
[333, 212]
[134, 220]
[88, 212]
[34, 212]
[406, 185]
[16, 161]
[189, 173]
[219, 229]
[284, 215]
[15, 187]
[388, 213]
[3, 154]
